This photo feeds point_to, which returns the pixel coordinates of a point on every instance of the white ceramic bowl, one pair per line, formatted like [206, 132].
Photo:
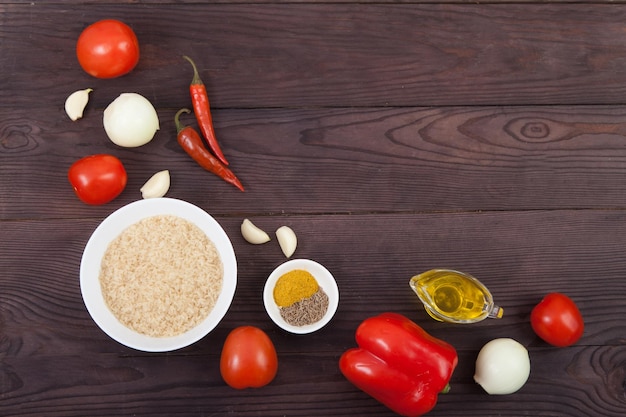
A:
[325, 280]
[109, 229]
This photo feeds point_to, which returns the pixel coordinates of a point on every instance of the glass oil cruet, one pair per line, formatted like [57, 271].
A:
[454, 297]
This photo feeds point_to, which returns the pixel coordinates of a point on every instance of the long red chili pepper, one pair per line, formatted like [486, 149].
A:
[191, 142]
[202, 109]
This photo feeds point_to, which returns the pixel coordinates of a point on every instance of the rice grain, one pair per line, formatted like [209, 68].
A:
[161, 276]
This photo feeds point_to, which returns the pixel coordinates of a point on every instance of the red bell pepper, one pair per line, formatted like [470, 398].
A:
[399, 364]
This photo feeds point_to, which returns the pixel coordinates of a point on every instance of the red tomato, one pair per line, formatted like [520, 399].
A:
[107, 49]
[557, 320]
[97, 179]
[248, 358]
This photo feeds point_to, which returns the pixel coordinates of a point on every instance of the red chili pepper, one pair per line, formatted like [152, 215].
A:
[399, 364]
[202, 109]
[191, 142]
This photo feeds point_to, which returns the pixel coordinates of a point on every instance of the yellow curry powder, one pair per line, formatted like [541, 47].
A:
[294, 286]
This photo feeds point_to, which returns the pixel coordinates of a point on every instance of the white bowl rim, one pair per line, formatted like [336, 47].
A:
[325, 280]
[110, 228]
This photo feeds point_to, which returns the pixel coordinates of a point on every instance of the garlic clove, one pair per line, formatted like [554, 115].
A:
[253, 234]
[76, 102]
[287, 240]
[157, 185]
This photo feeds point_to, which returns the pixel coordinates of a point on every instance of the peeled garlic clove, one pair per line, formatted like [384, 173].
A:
[157, 185]
[253, 234]
[287, 240]
[76, 102]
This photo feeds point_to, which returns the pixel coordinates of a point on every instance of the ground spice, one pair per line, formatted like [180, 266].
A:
[294, 286]
[306, 311]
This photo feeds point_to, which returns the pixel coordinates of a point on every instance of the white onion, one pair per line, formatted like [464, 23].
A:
[502, 367]
[130, 120]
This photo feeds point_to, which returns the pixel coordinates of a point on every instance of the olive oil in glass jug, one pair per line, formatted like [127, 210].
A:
[454, 297]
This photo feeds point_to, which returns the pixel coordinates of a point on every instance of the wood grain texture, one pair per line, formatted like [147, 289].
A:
[340, 160]
[329, 55]
[393, 137]
[54, 355]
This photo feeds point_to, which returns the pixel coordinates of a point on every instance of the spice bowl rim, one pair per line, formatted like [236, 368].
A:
[110, 228]
[326, 281]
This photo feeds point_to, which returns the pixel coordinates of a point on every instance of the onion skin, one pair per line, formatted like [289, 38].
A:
[130, 120]
[502, 366]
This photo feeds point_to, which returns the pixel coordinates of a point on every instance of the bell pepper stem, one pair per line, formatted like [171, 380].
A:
[446, 389]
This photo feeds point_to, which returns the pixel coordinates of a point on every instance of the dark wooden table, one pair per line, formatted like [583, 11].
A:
[393, 137]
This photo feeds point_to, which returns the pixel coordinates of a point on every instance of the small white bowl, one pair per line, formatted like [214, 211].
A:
[325, 280]
[109, 229]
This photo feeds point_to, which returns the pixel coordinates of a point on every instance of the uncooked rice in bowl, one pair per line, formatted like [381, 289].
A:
[161, 276]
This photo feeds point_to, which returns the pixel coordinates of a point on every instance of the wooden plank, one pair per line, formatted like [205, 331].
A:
[190, 385]
[56, 362]
[298, 2]
[393, 136]
[339, 55]
[337, 160]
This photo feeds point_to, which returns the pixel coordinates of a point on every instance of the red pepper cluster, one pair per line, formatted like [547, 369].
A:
[190, 140]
